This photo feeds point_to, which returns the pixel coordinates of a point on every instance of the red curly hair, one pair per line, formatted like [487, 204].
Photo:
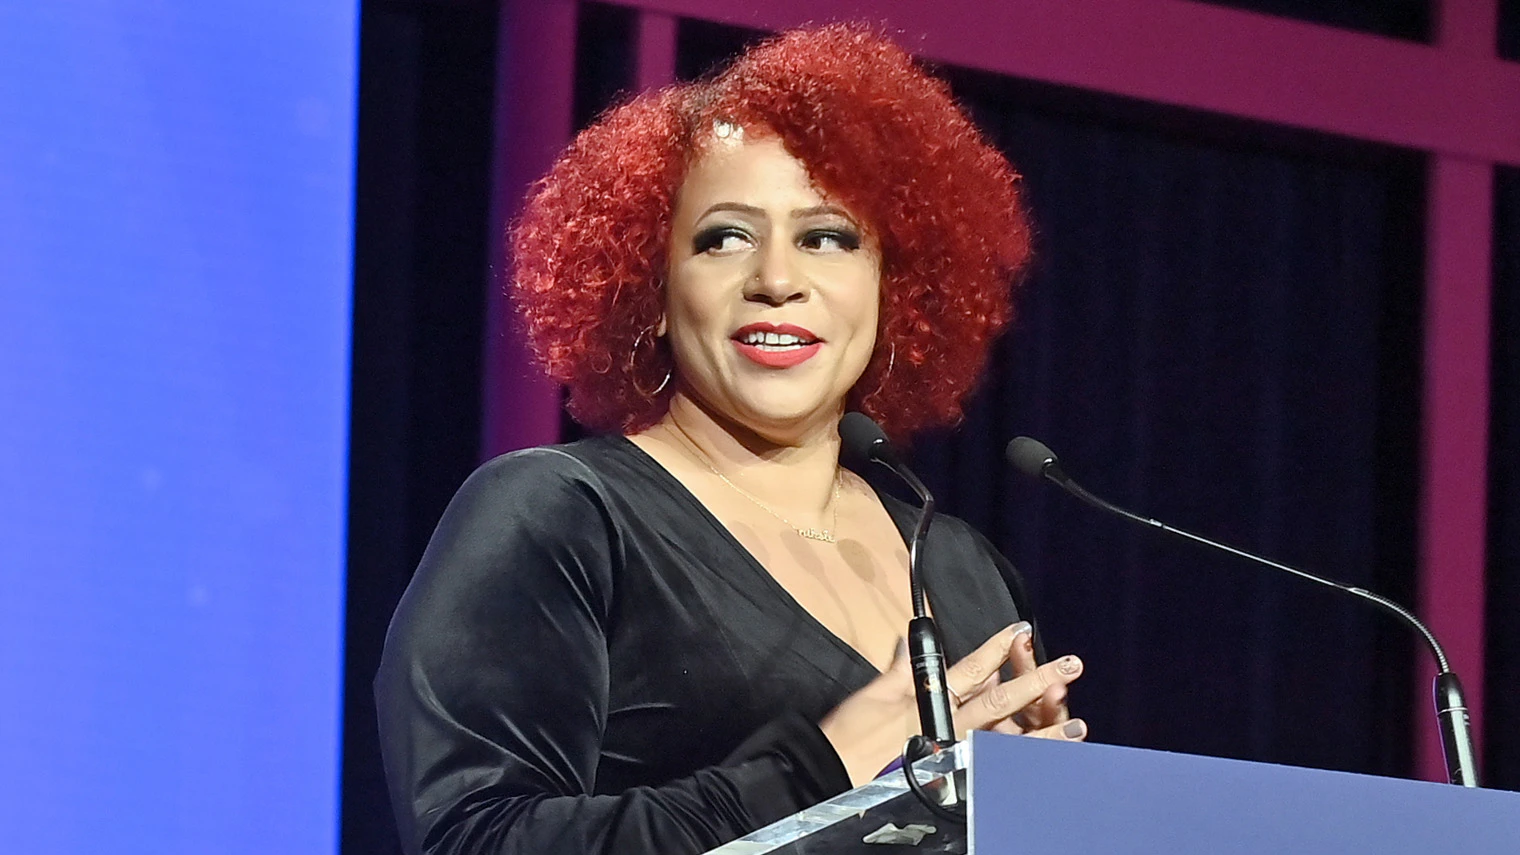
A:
[875, 133]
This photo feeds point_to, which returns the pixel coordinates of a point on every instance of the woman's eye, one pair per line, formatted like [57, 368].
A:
[831, 240]
[719, 239]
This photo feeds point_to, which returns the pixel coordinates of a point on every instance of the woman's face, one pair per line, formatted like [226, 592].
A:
[771, 301]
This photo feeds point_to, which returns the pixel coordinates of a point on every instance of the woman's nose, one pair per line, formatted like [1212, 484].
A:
[776, 278]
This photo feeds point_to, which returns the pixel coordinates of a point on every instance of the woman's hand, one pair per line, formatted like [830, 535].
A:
[869, 728]
[1046, 716]
[1050, 709]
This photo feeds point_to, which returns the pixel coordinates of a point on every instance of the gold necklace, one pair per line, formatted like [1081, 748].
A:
[824, 535]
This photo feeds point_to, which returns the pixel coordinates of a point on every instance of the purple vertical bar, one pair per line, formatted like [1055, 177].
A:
[656, 50]
[1454, 500]
[534, 120]
[1453, 515]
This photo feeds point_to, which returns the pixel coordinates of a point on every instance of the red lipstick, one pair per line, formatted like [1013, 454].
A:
[773, 356]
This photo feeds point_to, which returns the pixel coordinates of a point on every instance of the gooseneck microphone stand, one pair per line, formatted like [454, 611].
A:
[1032, 458]
[863, 442]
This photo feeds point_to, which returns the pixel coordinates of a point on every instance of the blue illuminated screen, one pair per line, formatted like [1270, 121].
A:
[175, 241]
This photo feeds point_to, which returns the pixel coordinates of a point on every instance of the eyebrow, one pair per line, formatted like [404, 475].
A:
[797, 213]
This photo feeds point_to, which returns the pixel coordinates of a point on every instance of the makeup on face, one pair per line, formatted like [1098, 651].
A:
[771, 298]
[776, 345]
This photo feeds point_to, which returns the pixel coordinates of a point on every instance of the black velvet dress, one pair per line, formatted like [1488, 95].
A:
[588, 662]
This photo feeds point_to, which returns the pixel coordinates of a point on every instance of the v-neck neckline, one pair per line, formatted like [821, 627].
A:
[684, 494]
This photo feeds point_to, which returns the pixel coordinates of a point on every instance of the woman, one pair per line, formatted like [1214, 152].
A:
[662, 639]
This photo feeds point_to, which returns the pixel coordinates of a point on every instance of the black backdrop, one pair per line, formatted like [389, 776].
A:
[426, 76]
[1222, 330]
[1219, 333]
[1502, 730]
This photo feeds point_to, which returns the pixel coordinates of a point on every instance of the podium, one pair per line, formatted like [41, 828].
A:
[1041, 796]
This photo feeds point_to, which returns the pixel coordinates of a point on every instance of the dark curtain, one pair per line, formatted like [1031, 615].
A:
[1509, 29]
[1404, 19]
[1502, 695]
[426, 82]
[1221, 331]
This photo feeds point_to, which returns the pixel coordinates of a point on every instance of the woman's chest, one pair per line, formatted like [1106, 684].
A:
[855, 587]
[703, 651]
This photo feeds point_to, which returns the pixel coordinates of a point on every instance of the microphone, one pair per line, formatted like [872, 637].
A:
[1032, 458]
[863, 442]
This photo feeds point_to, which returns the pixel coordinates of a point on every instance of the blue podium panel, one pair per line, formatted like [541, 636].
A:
[1034, 795]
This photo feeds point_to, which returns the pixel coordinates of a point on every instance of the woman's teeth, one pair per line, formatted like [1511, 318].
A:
[773, 340]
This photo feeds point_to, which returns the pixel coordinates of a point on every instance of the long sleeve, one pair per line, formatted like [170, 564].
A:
[493, 690]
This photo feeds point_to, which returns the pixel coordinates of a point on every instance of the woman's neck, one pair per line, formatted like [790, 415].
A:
[797, 470]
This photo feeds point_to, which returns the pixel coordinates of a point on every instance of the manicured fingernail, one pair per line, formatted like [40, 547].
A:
[1020, 635]
[1075, 729]
[1069, 665]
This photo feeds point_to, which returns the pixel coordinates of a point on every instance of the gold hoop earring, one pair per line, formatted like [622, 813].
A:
[633, 369]
[881, 380]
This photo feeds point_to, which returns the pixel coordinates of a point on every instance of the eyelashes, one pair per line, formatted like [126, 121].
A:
[845, 239]
[725, 238]
[717, 238]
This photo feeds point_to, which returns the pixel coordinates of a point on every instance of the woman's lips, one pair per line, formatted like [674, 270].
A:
[774, 356]
[778, 358]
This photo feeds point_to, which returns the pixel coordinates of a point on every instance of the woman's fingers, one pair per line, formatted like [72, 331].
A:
[1021, 654]
[1003, 700]
[868, 728]
[980, 669]
[1007, 725]
[1074, 730]
[1051, 707]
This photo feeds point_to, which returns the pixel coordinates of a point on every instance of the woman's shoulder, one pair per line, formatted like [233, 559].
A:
[527, 517]
[595, 463]
[596, 482]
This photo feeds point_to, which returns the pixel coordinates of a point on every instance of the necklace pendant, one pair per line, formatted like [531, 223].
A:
[819, 534]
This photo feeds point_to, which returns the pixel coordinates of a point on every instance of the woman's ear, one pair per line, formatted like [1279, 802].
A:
[659, 329]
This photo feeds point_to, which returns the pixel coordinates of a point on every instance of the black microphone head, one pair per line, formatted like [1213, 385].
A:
[862, 440]
[1030, 456]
